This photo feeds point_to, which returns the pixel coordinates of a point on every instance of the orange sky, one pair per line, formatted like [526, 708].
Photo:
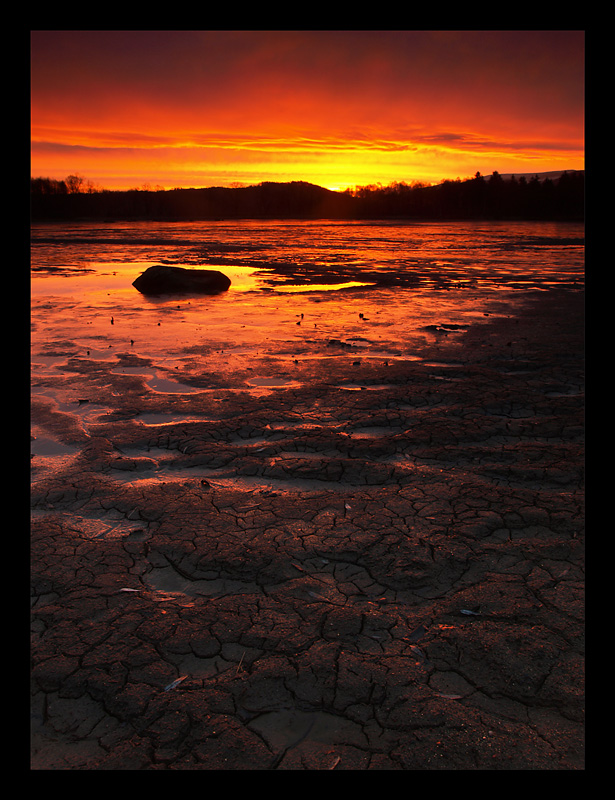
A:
[336, 108]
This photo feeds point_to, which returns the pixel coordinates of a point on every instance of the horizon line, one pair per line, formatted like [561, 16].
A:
[147, 185]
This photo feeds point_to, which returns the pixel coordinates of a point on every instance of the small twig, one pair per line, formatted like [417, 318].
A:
[240, 663]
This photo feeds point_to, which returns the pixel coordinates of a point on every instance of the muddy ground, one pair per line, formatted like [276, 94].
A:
[378, 568]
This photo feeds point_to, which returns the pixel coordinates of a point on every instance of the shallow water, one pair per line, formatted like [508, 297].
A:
[82, 275]
[299, 291]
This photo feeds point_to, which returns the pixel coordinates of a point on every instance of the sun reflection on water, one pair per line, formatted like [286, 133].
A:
[278, 306]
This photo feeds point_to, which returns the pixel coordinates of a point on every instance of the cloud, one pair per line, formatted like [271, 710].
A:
[351, 97]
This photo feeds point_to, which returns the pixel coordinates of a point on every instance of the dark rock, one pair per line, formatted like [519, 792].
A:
[161, 279]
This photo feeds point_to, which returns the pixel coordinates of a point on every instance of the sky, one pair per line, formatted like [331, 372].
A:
[167, 109]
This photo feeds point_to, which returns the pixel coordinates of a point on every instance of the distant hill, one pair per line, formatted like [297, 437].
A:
[267, 200]
[482, 197]
[553, 175]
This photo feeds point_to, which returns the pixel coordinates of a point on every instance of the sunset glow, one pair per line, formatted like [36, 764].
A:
[164, 109]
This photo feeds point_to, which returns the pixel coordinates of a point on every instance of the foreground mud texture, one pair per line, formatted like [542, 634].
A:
[318, 578]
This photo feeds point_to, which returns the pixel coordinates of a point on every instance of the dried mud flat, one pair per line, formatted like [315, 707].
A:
[378, 568]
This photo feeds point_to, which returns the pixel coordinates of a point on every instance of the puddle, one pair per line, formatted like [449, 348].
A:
[138, 370]
[46, 365]
[49, 456]
[166, 386]
[82, 411]
[321, 287]
[273, 383]
[100, 355]
[243, 279]
[156, 382]
[45, 446]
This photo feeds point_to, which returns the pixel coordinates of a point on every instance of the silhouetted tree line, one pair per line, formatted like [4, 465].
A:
[477, 198]
[50, 200]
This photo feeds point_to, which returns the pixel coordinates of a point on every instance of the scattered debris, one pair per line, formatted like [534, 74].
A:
[175, 683]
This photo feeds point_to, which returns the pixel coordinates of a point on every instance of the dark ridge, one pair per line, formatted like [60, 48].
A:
[492, 198]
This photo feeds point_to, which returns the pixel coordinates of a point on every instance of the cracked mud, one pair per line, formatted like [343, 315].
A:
[364, 565]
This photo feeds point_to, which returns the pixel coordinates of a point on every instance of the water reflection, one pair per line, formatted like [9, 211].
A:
[296, 288]
[157, 382]
[322, 287]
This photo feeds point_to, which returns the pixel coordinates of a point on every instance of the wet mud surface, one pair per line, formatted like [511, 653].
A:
[354, 564]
